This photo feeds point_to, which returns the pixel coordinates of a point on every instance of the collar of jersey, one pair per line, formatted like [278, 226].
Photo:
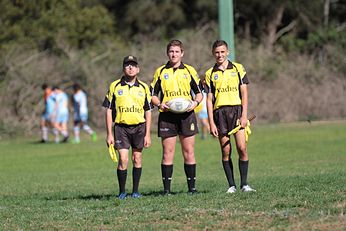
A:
[229, 66]
[123, 83]
[169, 65]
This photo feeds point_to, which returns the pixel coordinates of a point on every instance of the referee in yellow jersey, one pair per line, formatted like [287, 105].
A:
[127, 104]
[176, 80]
[227, 102]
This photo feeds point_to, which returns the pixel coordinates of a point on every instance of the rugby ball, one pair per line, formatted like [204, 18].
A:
[179, 105]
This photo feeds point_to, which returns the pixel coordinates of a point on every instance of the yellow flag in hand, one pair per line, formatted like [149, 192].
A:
[112, 153]
[247, 130]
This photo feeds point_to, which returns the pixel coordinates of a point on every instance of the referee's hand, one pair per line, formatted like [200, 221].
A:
[213, 130]
[194, 104]
[110, 139]
[243, 121]
[147, 141]
[164, 107]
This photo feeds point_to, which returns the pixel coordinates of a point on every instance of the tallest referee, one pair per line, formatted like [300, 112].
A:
[176, 80]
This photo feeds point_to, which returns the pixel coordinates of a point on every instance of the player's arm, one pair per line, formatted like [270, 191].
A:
[109, 126]
[244, 81]
[109, 104]
[210, 107]
[155, 101]
[198, 99]
[155, 92]
[210, 110]
[244, 103]
[147, 108]
[196, 87]
[155, 89]
[147, 138]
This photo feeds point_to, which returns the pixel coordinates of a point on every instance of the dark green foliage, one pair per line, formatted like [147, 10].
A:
[49, 24]
[83, 23]
[289, 49]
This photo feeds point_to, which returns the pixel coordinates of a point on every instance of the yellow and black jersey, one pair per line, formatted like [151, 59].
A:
[128, 103]
[225, 85]
[170, 83]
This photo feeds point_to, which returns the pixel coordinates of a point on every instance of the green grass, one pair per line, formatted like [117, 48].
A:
[299, 171]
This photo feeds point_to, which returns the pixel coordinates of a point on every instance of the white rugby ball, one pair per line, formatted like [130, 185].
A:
[179, 105]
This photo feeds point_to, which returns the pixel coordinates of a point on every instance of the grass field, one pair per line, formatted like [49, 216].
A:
[299, 171]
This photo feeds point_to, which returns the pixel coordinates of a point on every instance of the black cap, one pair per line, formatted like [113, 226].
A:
[130, 58]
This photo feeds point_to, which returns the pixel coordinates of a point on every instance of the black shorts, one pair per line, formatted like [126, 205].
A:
[127, 136]
[226, 117]
[172, 124]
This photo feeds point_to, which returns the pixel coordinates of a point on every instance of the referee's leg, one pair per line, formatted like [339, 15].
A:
[243, 156]
[188, 149]
[168, 146]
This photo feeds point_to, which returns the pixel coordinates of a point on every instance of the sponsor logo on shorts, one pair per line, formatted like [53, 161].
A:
[192, 127]
[118, 141]
[164, 129]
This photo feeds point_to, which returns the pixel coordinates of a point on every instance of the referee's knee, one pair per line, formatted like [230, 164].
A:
[189, 158]
[242, 153]
[137, 161]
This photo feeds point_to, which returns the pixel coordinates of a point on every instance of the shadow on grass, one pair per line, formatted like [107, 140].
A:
[83, 197]
[113, 196]
[46, 143]
[40, 142]
[160, 193]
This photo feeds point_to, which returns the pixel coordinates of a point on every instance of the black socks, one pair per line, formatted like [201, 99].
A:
[136, 176]
[190, 172]
[122, 175]
[167, 172]
[228, 168]
[243, 169]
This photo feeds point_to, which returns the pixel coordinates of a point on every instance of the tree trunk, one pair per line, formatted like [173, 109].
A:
[272, 28]
[326, 13]
[247, 30]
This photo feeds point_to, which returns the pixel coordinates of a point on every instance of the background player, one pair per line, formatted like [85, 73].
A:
[48, 113]
[80, 115]
[202, 114]
[62, 115]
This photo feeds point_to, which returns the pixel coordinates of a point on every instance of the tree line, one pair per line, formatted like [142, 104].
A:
[65, 41]
[295, 24]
